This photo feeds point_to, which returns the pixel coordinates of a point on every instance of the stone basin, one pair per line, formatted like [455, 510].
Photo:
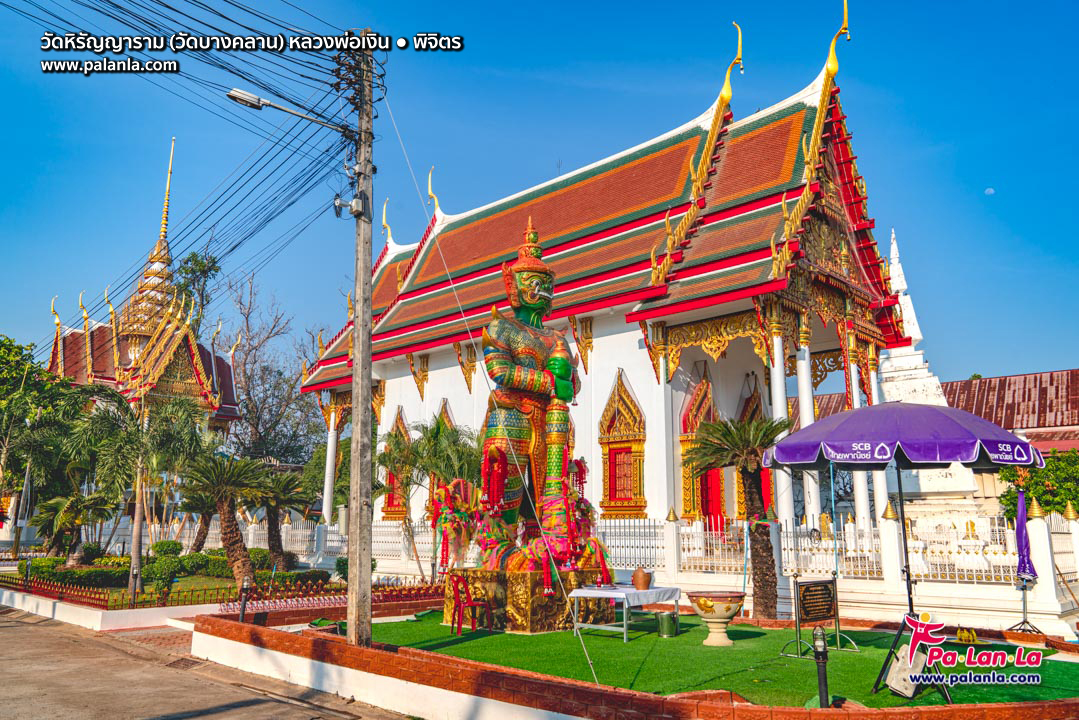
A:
[717, 608]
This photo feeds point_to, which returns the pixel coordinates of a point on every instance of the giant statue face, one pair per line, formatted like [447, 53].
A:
[535, 291]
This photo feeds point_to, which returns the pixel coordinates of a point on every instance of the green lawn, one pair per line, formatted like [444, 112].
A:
[752, 667]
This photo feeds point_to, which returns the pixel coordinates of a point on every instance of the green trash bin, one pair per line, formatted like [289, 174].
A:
[667, 624]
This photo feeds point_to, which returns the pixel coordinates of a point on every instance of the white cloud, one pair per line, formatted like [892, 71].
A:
[990, 191]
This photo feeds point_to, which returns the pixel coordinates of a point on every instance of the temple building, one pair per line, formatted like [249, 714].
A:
[721, 270]
[148, 350]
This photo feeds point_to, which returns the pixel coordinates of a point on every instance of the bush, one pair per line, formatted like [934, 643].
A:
[305, 576]
[113, 561]
[341, 566]
[260, 558]
[52, 570]
[163, 548]
[214, 552]
[91, 551]
[217, 566]
[162, 571]
[194, 563]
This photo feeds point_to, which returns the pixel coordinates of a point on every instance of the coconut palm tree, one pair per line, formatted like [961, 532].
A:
[61, 519]
[133, 441]
[204, 506]
[742, 444]
[281, 493]
[399, 458]
[229, 482]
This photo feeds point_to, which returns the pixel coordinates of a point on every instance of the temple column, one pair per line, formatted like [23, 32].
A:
[880, 478]
[331, 466]
[781, 479]
[806, 416]
[860, 477]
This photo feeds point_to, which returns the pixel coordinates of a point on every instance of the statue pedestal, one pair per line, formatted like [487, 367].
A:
[518, 602]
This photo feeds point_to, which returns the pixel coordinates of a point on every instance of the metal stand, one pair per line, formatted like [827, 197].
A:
[799, 642]
[1024, 624]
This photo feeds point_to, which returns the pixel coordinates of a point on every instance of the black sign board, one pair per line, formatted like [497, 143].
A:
[817, 600]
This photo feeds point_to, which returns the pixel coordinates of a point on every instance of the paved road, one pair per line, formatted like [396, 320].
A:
[53, 670]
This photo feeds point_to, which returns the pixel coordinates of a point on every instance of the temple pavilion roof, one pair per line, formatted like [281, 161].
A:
[606, 229]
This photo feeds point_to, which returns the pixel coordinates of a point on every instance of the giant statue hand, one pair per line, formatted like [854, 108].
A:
[562, 373]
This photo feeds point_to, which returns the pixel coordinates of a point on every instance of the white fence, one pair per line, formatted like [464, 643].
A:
[980, 550]
[849, 551]
[707, 549]
[632, 542]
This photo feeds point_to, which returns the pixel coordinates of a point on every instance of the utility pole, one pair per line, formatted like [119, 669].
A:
[354, 72]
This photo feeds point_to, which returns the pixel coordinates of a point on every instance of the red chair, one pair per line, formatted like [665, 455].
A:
[462, 598]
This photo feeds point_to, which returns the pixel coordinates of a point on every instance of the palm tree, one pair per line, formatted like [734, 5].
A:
[229, 481]
[134, 440]
[204, 506]
[444, 453]
[399, 458]
[281, 493]
[742, 444]
[61, 519]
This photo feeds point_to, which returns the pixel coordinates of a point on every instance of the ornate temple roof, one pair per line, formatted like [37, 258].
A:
[150, 348]
[685, 220]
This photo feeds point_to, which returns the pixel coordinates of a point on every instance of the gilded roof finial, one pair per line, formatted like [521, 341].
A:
[161, 250]
[430, 193]
[85, 316]
[216, 333]
[832, 66]
[351, 310]
[726, 93]
[52, 309]
[239, 336]
[386, 226]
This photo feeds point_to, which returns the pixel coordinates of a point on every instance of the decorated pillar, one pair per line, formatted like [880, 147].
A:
[781, 479]
[860, 477]
[880, 478]
[806, 416]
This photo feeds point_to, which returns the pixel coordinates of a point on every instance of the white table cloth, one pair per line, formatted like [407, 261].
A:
[629, 596]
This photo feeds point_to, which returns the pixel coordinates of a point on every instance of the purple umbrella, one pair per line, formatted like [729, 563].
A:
[912, 434]
[1024, 570]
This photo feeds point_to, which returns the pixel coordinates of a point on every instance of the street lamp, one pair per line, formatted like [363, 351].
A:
[820, 654]
[245, 588]
[356, 74]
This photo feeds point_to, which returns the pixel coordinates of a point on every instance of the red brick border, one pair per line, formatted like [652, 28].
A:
[574, 697]
[295, 616]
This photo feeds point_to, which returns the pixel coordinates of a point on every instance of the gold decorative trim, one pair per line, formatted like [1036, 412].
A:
[700, 408]
[621, 427]
[115, 337]
[378, 399]
[582, 337]
[713, 336]
[656, 347]
[58, 339]
[467, 361]
[88, 342]
[420, 374]
[824, 363]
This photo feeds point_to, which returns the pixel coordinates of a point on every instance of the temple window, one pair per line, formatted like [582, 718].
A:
[621, 436]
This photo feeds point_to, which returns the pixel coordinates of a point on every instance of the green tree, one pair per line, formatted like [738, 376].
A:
[135, 442]
[1054, 486]
[229, 482]
[205, 507]
[398, 457]
[281, 493]
[61, 519]
[742, 445]
[314, 471]
[193, 276]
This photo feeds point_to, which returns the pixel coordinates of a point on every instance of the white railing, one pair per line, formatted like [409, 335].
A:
[632, 542]
[850, 551]
[299, 537]
[704, 549]
[1060, 539]
[336, 542]
[980, 550]
[387, 540]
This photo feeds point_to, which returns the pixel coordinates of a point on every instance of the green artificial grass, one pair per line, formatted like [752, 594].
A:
[751, 667]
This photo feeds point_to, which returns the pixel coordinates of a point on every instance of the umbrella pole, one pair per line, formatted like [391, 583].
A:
[906, 553]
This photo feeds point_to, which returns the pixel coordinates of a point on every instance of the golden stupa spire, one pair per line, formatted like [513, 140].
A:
[161, 249]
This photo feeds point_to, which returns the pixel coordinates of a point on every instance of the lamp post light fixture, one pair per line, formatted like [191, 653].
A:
[245, 588]
[820, 654]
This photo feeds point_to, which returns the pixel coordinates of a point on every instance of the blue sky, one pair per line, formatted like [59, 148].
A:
[945, 100]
